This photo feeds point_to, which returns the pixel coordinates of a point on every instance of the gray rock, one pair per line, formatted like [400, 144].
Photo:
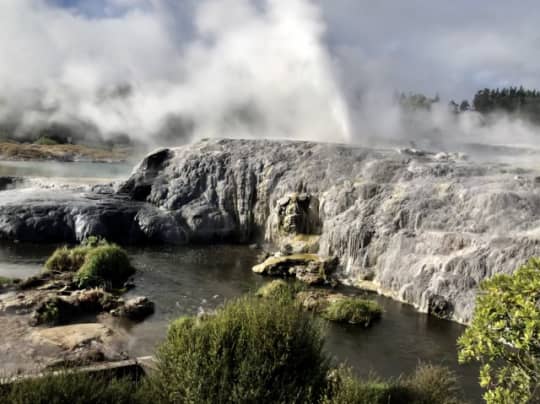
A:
[137, 308]
[417, 225]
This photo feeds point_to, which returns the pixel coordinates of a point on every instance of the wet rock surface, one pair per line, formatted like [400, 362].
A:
[47, 318]
[308, 268]
[136, 309]
[413, 224]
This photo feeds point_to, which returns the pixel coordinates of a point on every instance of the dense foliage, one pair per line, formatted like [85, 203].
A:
[252, 351]
[104, 266]
[427, 385]
[72, 388]
[504, 336]
[512, 100]
[95, 263]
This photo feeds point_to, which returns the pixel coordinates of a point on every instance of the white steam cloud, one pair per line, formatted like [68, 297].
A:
[171, 71]
[244, 69]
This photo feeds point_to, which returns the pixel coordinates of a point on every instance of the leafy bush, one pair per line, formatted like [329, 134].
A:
[106, 265]
[353, 310]
[251, 351]
[504, 336]
[73, 388]
[428, 385]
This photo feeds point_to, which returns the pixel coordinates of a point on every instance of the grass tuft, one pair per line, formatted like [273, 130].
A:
[73, 388]
[96, 263]
[429, 384]
[106, 266]
[353, 310]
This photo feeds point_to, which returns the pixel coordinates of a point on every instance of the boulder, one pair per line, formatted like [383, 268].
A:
[308, 268]
[73, 336]
[136, 309]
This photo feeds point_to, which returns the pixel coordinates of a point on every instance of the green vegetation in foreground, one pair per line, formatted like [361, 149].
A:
[504, 336]
[427, 385]
[353, 310]
[72, 388]
[250, 351]
[95, 263]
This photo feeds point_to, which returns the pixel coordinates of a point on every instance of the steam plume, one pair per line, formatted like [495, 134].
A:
[242, 69]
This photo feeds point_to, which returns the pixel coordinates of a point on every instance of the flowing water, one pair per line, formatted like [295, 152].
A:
[188, 280]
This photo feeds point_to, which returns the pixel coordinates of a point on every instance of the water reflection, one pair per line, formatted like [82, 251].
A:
[187, 280]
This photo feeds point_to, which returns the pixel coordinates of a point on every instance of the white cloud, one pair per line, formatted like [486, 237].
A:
[303, 69]
[245, 71]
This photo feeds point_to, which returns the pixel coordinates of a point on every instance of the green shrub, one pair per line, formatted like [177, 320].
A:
[66, 259]
[45, 141]
[251, 351]
[345, 388]
[353, 310]
[428, 385]
[72, 388]
[106, 265]
[95, 263]
[504, 336]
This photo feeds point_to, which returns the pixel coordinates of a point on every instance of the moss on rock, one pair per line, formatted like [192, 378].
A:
[353, 310]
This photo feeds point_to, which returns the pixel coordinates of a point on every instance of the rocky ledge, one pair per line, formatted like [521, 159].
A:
[420, 227]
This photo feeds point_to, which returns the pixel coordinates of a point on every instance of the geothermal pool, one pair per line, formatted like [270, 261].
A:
[188, 280]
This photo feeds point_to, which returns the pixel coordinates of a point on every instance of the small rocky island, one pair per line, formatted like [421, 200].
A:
[420, 227]
[59, 317]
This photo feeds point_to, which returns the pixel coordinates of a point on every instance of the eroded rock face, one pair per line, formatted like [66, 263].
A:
[415, 225]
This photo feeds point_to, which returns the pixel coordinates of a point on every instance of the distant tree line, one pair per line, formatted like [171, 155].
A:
[515, 101]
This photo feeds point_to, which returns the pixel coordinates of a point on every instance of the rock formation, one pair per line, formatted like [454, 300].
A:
[422, 228]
